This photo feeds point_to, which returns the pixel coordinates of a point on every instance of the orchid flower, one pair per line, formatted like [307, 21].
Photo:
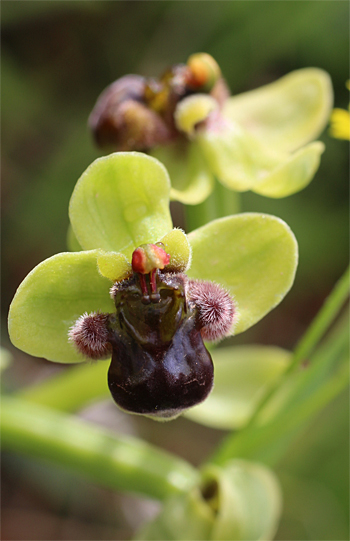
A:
[143, 293]
[261, 140]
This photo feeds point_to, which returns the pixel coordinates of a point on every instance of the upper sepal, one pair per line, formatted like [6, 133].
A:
[120, 202]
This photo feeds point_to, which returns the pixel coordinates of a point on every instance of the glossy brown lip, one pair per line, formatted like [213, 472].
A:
[160, 365]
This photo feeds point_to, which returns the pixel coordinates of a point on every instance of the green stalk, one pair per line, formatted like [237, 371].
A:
[117, 462]
[322, 321]
[198, 215]
[221, 202]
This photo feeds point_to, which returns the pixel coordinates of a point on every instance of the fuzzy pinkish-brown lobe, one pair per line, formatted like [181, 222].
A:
[215, 306]
[89, 334]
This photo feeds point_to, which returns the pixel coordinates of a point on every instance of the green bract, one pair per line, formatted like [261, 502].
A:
[241, 501]
[120, 202]
[259, 141]
[243, 374]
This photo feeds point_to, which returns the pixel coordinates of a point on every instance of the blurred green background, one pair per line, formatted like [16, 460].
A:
[57, 57]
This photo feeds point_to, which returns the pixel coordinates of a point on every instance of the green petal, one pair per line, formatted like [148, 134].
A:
[177, 245]
[287, 113]
[241, 501]
[120, 202]
[242, 162]
[293, 174]
[242, 376]
[191, 180]
[253, 255]
[113, 266]
[50, 300]
[192, 110]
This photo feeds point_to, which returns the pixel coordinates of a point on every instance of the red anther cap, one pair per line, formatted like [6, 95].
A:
[148, 257]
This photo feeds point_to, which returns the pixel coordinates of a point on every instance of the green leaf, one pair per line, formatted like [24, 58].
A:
[191, 180]
[243, 162]
[117, 462]
[287, 113]
[241, 501]
[120, 202]
[253, 255]
[50, 300]
[242, 376]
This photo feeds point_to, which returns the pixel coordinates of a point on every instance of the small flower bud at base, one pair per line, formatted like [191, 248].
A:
[89, 334]
[216, 309]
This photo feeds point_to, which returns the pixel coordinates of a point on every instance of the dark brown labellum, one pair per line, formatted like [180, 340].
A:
[160, 365]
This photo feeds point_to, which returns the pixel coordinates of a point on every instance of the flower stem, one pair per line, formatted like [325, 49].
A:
[221, 202]
[322, 321]
[117, 462]
[313, 335]
[198, 215]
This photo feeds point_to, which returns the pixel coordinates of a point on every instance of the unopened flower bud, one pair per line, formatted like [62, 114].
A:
[204, 72]
[121, 119]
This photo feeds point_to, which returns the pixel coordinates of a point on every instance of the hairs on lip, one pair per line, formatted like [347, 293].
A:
[217, 310]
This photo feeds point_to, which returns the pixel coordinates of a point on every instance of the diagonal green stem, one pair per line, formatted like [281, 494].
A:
[313, 335]
[322, 321]
[254, 435]
[118, 462]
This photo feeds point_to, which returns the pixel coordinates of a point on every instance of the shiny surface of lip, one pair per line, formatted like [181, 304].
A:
[160, 365]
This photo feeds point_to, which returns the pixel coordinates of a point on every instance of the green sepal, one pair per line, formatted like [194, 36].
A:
[288, 113]
[113, 266]
[49, 301]
[254, 256]
[177, 245]
[120, 202]
[293, 174]
[191, 180]
[243, 374]
[242, 162]
[241, 501]
[235, 157]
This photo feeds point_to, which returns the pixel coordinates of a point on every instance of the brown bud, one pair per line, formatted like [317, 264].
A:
[121, 120]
